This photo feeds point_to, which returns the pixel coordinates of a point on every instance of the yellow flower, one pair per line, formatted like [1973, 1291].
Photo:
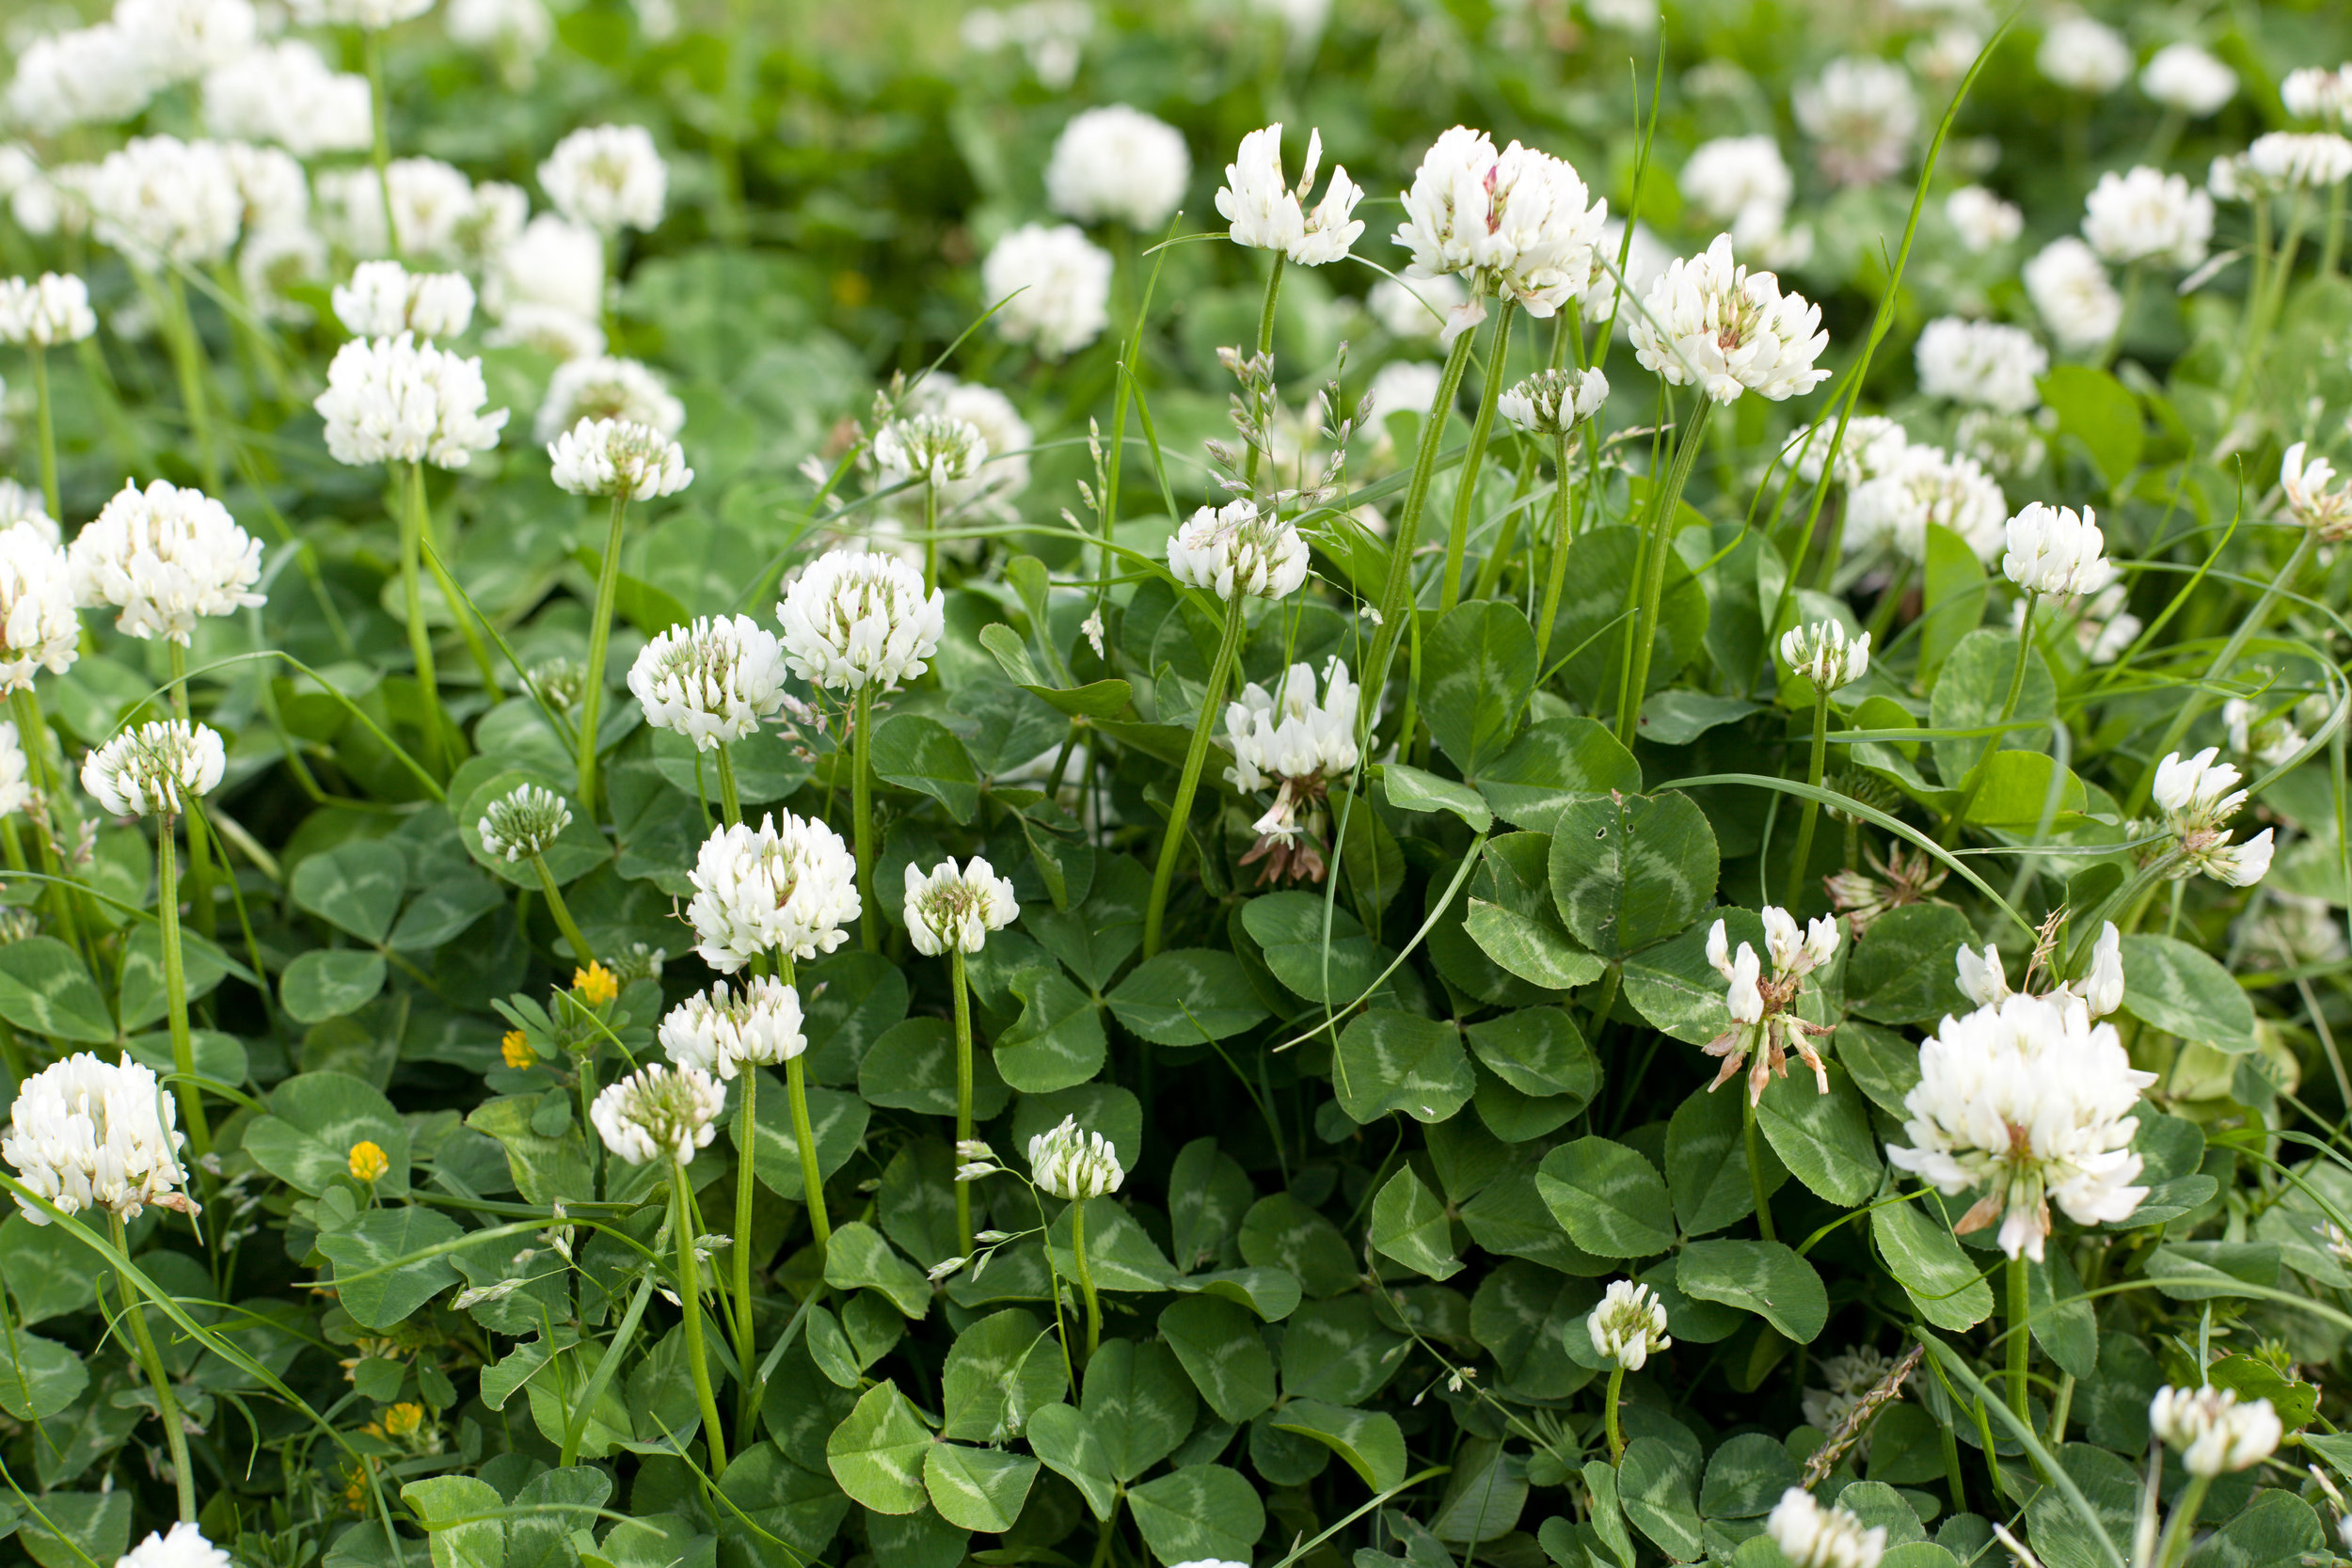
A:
[517, 1050]
[368, 1160]
[595, 985]
[403, 1418]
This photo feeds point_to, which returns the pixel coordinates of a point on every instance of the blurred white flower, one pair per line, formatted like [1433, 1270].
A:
[1922, 485]
[550, 330]
[433, 206]
[2215, 1432]
[1050, 35]
[1268, 213]
[1981, 219]
[715, 681]
[1873, 443]
[1984, 363]
[1861, 114]
[2147, 216]
[2318, 93]
[1051, 288]
[1731, 175]
[607, 177]
[955, 909]
[855, 619]
[85, 76]
[1116, 164]
[1517, 221]
[1628, 1326]
[274, 262]
[2189, 80]
[515, 33]
[618, 457]
[45, 311]
[395, 399]
[2312, 497]
[2282, 161]
[1236, 549]
[21, 509]
[660, 1112]
[2070, 290]
[164, 558]
[600, 388]
[788, 888]
[2084, 54]
[1404, 386]
[1074, 1165]
[183, 1547]
[39, 630]
[1822, 655]
[1417, 308]
[285, 92]
[2099, 991]
[385, 299]
[550, 263]
[937, 450]
[86, 1135]
[160, 200]
[180, 39]
[524, 823]
[1811, 1536]
[157, 770]
[723, 1032]
[1553, 402]
[1711, 323]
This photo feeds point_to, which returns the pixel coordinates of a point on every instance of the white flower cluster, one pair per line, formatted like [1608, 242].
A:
[2216, 1433]
[184, 1547]
[1629, 1324]
[162, 201]
[607, 177]
[723, 1032]
[2199, 794]
[524, 823]
[45, 311]
[1982, 220]
[369, 15]
[1288, 738]
[395, 399]
[953, 910]
[715, 681]
[84, 1135]
[1983, 364]
[2281, 161]
[285, 92]
[1740, 182]
[1268, 213]
[938, 450]
[1710, 323]
[788, 888]
[618, 457]
[1050, 35]
[857, 619]
[2072, 293]
[2148, 215]
[2057, 550]
[156, 770]
[545, 286]
[1518, 222]
[440, 214]
[1822, 654]
[1553, 402]
[1811, 1536]
[2084, 54]
[2319, 93]
[2099, 991]
[2185, 78]
[1117, 165]
[1764, 1023]
[1050, 288]
[2314, 499]
[660, 1112]
[1236, 549]
[16, 787]
[164, 558]
[1860, 116]
[39, 630]
[596, 386]
[2271, 739]
[1006, 472]
[385, 299]
[2031, 1100]
[1074, 1165]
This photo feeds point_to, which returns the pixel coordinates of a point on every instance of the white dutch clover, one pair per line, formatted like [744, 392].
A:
[660, 1112]
[856, 620]
[2314, 499]
[1117, 165]
[618, 457]
[1765, 1027]
[2199, 794]
[2100, 991]
[715, 681]
[1811, 1536]
[395, 400]
[156, 770]
[2216, 1433]
[385, 299]
[1629, 1324]
[45, 311]
[1713, 323]
[1237, 549]
[607, 178]
[184, 1547]
[954, 909]
[723, 1032]
[1265, 213]
[524, 823]
[1518, 222]
[595, 387]
[1822, 654]
[2189, 80]
[39, 630]
[1553, 402]
[85, 1133]
[787, 886]
[1983, 364]
[2146, 215]
[1049, 286]
[2057, 550]
[1074, 1165]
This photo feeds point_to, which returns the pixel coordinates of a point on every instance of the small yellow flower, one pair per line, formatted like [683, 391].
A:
[403, 1418]
[517, 1050]
[368, 1160]
[595, 985]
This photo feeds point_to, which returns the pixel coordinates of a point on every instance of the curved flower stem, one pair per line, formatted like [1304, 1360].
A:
[930, 538]
[32, 735]
[200, 858]
[805, 1134]
[1974, 783]
[1557, 573]
[1395, 590]
[1466, 491]
[152, 1362]
[963, 1096]
[730, 799]
[381, 137]
[869, 924]
[582, 954]
[1172, 840]
[1814, 770]
[599, 641]
[2019, 1341]
[420, 635]
[39, 358]
[176, 990]
[1085, 1279]
[2180, 1526]
[1265, 346]
[1641, 632]
[1756, 1163]
[746, 1161]
[1608, 1415]
[187, 361]
[690, 1298]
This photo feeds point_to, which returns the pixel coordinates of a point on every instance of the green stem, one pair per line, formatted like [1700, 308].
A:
[1086, 1278]
[1609, 1416]
[1558, 573]
[1756, 1163]
[812, 1179]
[1466, 489]
[963, 1096]
[1643, 631]
[476, 648]
[690, 1296]
[152, 1361]
[2331, 245]
[2180, 1528]
[176, 991]
[32, 735]
[199, 857]
[746, 1342]
[1982, 768]
[39, 358]
[381, 114]
[187, 361]
[869, 925]
[412, 601]
[599, 642]
[1172, 840]
[582, 954]
[729, 798]
[1265, 346]
[1394, 588]
[2019, 1341]
[1805, 821]
[930, 538]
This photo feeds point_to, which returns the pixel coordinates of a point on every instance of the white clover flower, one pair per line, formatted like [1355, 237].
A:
[2199, 794]
[2070, 290]
[1645, 258]
[2314, 499]
[21, 506]
[856, 619]
[1519, 222]
[2056, 550]
[39, 630]
[1861, 114]
[1985, 364]
[954, 910]
[395, 399]
[2214, 1431]
[1732, 175]
[1982, 220]
[45, 311]
[1811, 1536]
[607, 177]
[1051, 288]
[1822, 655]
[1004, 474]
[2316, 92]
[938, 450]
[273, 192]
[515, 32]
[2031, 1100]
[1944, 56]
[551, 264]
[1629, 1324]
[183, 1547]
[2084, 54]
[2100, 991]
[182, 40]
[434, 205]
[724, 1032]
[84, 1135]
[1764, 1023]
[164, 558]
[2148, 215]
[1553, 402]
[1417, 308]
[2188, 80]
[156, 770]
[788, 888]
[1404, 386]
[2272, 741]
[660, 1112]
[160, 201]
[713, 682]
[550, 329]
[272, 264]
[1713, 323]
[83, 76]
[1290, 742]
[371, 16]
[285, 92]
[1268, 213]
[2285, 160]
[1116, 164]
[618, 457]
[606, 388]
[1873, 445]
[1074, 1165]
[385, 299]
[524, 823]
[1234, 549]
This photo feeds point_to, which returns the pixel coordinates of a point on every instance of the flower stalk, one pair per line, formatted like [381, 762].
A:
[176, 990]
[582, 954]
[420, 635]
[690, 1302]
[1188, 783]
[599, 643]
[1085, 1279]
[1641, 632]
[1396, 588]
[869, 925]
[1608, 1415]
[1557, 573]
[963, 1094]
[2020, 1341]
[152, 1362]
[1466, 490]
[805, 1134]
[1757, 1186]
[43, 418]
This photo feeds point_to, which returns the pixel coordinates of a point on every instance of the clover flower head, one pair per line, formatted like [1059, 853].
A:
[715, 681]
[1982, 220]
[2057, 550]
[162, 201]
[184, 1547]
[598, 387]
[39, 630]
[723, 1030]
[1811, 1536]
[1861, 114]
[1237, 549]
[524, 822]
[2318, 93]
[155, 770]
[953, 910]
[45, 311]
[787, 886]
[2314, 499]
[937, 450]
[1553, 402]
[618, 457]
[607, 178]
[1629, 1325]
[1984, 981]
[1982, 364]
[1049, 287]
[2183, 77]
[1074, 1165]
[1764, 1022]
[1266, 213]
[1116, 164]
[1518, 222]
[858, 619]
[2199, 794]
[85, 1133]
[1822, 654]
[385, 299]
[2215, 1431]
[1713, 323]
[395, 400]
[2071, 292]
[2146, 215]
[285, 93]
[2084, 54]
[660, 1112]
